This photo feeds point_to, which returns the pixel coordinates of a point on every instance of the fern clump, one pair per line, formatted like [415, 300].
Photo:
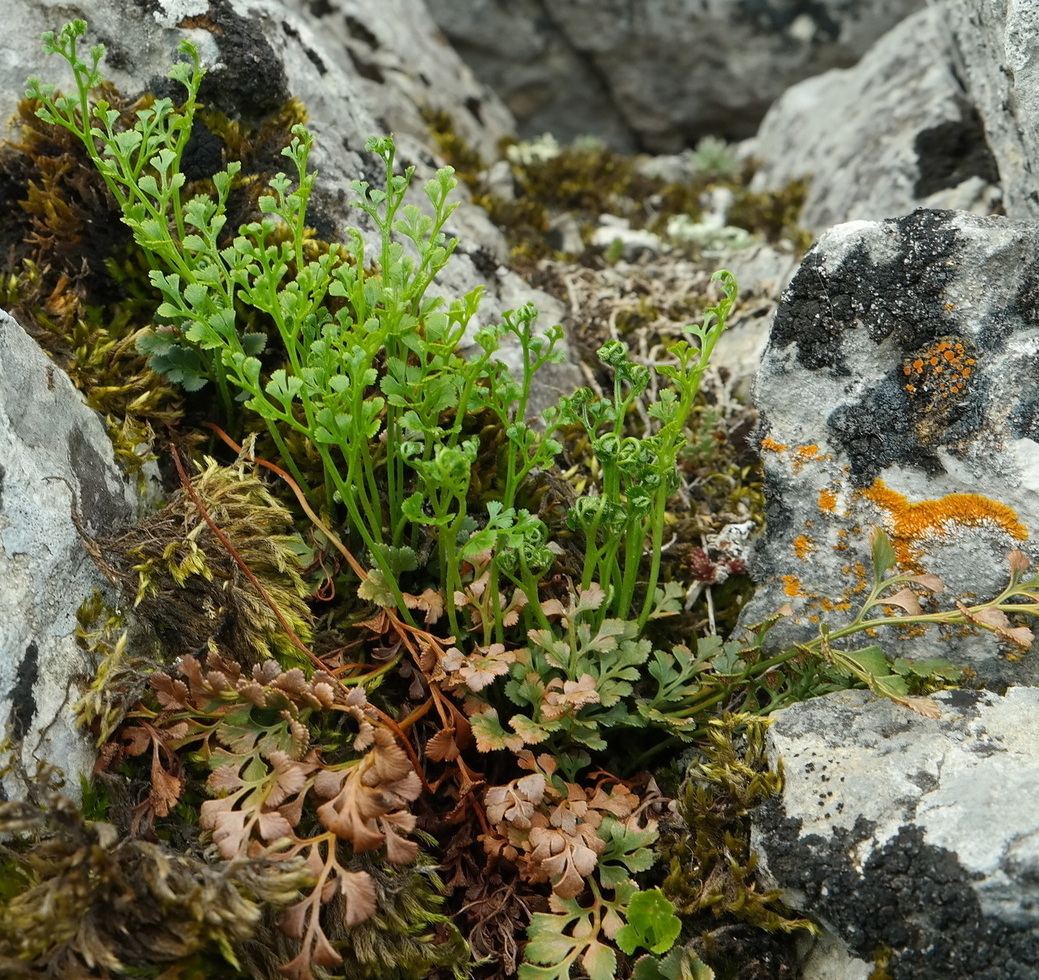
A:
[427, 671]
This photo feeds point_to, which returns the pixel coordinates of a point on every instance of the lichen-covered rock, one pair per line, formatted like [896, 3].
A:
[912, 835]
[877, 140]
[55, 457]
[659, 74]
[997, 58]
[899, 390]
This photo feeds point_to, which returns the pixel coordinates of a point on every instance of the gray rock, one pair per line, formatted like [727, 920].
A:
[522, 51]
[893, 133]
[997, 61]
[898, 390]
[655, 75]
[916, 834]
[55, 456]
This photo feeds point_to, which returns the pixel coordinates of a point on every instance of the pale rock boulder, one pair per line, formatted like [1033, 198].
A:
[659, 74]
[55, 460]
[911, 834]
[997, 60]
[899, 390]
[893, 133]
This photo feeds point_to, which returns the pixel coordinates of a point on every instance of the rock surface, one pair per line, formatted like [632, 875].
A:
[660, 74]
[898, 390]
[998, 65]
[910, 833]
[893, 133]
[54, 455]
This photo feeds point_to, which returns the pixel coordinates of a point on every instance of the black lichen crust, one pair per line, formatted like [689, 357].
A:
[22, 696]
[902, 297]
[953, 151]
[250, 82]
[911, 897]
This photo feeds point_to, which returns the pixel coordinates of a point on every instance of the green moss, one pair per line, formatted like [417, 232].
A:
[409, 937]
[454, 150]
[119, 676]
[881, 964]
[711, 870]
[188, 586]
[773, 214]
[75, 280]
[81, 899]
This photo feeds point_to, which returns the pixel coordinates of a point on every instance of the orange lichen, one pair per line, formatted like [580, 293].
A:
[856, 572]
[806, 454]
[803, 546]
[831, 605]
[769, 445]
[911, 523]
[827, 500]
[939, 371]
[791, 585]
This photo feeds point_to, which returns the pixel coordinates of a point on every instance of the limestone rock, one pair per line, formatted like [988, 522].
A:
[898, 390]
[55, 456]
[998, 64]
[893, 133]
[916, 834]
[655, 75]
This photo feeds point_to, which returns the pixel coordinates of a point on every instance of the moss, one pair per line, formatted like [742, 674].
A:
[191, 590]
[83, 900]
[75, 280]
[711, 869]
[585, 181]
[410, 937]
[881, 964]
[454, 150]
[773, 214]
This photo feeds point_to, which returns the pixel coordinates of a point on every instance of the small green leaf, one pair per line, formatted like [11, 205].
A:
[529, 972]
[376, 589]
[889, 686]
[867, 662]
[679, 964]
[283, 387]
[936, 667]
[549, 948]
[489, 734]
[652, 923]
[254, 344]
[884, 556]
